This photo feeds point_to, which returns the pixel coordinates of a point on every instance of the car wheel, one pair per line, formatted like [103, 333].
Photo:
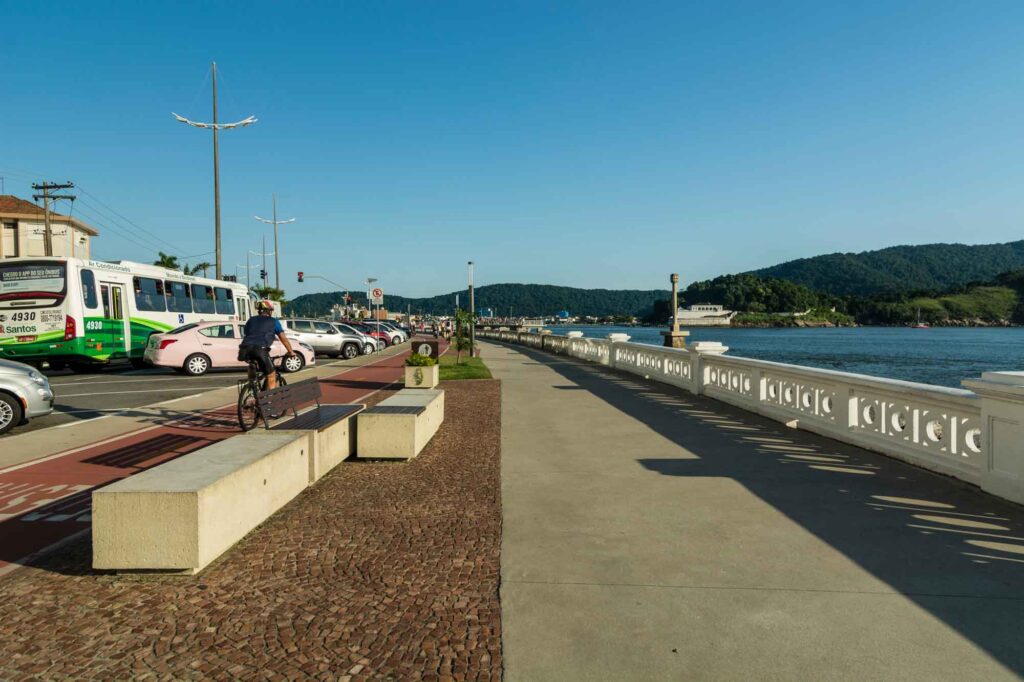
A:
[350, 351]
[381, 344]
[293, 363]
[368, 349]
[138, 363]
[196, 365]
[11, 413]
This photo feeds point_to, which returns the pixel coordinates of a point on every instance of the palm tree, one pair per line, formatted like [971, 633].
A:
[204, 266]
[166, 261]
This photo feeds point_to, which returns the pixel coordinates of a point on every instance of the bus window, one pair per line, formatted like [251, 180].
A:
[225, 304]
[243, 308]
[202, 299]
[179, 297]
[105, 297]
[149, 294]
[32, 285]
[89, 289]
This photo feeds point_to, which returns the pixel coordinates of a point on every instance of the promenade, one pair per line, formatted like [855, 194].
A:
[652, 534]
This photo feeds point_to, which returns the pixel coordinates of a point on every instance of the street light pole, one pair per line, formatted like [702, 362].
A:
[472, 313]
[216, 127]
[275, 222]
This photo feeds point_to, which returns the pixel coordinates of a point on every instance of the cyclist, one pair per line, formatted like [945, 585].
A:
[260, 331]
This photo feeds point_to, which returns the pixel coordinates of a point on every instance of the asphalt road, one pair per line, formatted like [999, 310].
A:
[88, 396]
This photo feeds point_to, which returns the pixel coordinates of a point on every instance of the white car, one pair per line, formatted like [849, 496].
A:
[25, 394]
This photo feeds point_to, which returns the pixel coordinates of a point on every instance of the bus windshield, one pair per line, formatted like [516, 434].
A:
[32, 285]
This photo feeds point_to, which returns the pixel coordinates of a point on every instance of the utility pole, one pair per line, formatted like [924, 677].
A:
[216, 127]
[472, 313]
[47, 198]
[276, 222]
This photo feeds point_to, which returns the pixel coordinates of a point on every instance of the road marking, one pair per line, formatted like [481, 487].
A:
[174, 400]
[83, 421]
[162, 390]
[145, 381]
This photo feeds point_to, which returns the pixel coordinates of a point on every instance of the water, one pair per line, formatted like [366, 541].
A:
[942, 356]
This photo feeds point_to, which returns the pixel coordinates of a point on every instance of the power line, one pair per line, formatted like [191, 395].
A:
[137, 227]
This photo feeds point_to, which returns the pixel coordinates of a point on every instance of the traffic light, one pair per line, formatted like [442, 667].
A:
[300, 275]
[263, 274]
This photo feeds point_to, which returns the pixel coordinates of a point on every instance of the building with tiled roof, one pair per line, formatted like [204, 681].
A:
[24, 231]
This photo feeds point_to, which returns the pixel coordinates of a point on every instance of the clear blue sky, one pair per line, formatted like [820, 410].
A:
[585, 143]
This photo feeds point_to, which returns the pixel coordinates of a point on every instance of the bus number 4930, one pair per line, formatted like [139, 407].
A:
[94, 325]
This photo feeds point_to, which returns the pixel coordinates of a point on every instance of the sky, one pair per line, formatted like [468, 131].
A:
[591, 144]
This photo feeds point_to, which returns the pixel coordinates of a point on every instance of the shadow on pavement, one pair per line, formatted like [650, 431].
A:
[954, 551]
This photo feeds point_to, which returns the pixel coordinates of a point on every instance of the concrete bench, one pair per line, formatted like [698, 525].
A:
[183, 514]
[401, 426]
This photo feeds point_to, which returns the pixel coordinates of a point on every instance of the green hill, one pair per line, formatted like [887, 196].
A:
[523, 299]
[928, 267]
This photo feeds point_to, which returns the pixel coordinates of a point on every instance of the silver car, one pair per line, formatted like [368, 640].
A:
[367, 343]
[323, 337]
[25, 394]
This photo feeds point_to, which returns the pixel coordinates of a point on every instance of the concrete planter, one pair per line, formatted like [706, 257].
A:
[422, 377]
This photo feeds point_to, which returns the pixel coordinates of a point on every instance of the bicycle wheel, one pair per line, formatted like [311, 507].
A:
[248, 409]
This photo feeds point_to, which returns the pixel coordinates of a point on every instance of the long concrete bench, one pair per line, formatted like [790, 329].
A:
[401, 426]
[330, 441]
[183, 514]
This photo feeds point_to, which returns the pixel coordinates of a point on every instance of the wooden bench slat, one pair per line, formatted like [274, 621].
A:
[319, 418]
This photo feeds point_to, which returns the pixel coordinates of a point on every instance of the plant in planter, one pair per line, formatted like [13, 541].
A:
[421, 371]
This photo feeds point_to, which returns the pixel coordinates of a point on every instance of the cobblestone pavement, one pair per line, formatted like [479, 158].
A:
[381, 571]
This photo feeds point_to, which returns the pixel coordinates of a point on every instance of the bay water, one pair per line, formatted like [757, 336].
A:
[940, 355]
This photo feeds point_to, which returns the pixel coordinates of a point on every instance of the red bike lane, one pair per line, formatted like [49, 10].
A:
[45, 503]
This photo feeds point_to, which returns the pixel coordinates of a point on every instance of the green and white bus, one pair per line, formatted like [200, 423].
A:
[79, 313]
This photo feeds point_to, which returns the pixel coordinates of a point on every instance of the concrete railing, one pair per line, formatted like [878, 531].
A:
[975, 435]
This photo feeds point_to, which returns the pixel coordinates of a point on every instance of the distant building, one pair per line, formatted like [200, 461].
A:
[24, 231]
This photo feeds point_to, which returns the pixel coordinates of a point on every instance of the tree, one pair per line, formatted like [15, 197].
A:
[166, 261]
[463, 320]
[203, 267]
[269, 292]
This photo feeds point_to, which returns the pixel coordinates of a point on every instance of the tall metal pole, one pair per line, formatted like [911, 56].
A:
[472, 313]
[248, 270]
[277, 261]
[216, 177]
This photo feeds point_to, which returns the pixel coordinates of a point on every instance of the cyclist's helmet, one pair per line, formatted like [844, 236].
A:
[264, 304]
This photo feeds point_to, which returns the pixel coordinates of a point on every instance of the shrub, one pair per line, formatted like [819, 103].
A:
[417, 360]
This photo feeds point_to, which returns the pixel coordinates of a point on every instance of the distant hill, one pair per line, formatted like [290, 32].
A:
[928, 267]
[522, 299]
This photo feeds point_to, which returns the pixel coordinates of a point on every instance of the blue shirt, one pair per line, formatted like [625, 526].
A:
[260, 331]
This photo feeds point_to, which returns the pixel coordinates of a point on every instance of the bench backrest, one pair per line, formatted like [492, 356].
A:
[283, 398]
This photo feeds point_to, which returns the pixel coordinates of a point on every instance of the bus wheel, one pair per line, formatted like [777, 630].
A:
[57, 366]
[196, 364]
[138, 363]
[11, 413]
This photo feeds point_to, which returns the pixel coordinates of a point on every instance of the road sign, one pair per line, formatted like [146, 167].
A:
[377, 296]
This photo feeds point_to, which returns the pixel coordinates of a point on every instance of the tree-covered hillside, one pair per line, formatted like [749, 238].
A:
[520, 299]
[901, 268]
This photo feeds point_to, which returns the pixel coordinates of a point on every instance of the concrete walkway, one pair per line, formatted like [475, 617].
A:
[651, 534]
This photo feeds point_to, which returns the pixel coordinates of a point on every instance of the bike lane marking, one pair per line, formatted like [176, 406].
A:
[45, 502]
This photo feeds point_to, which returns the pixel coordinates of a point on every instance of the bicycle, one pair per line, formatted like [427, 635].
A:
[249, 411]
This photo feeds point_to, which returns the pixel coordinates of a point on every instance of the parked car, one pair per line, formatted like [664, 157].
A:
[25, 394]
[367, 342]
[398, 334]
[383, 338]
[324, 338]
[197, 348]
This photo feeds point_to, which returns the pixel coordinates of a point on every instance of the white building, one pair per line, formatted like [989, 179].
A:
[24, 231]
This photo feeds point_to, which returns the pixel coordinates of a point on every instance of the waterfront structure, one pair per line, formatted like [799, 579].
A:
[24, 231]
[974, 435]
[704, 315]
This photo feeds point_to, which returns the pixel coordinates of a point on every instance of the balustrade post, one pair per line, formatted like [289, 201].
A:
[1002, 432]
[698, 367]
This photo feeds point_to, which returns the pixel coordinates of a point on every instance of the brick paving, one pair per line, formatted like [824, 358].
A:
[381, 571]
